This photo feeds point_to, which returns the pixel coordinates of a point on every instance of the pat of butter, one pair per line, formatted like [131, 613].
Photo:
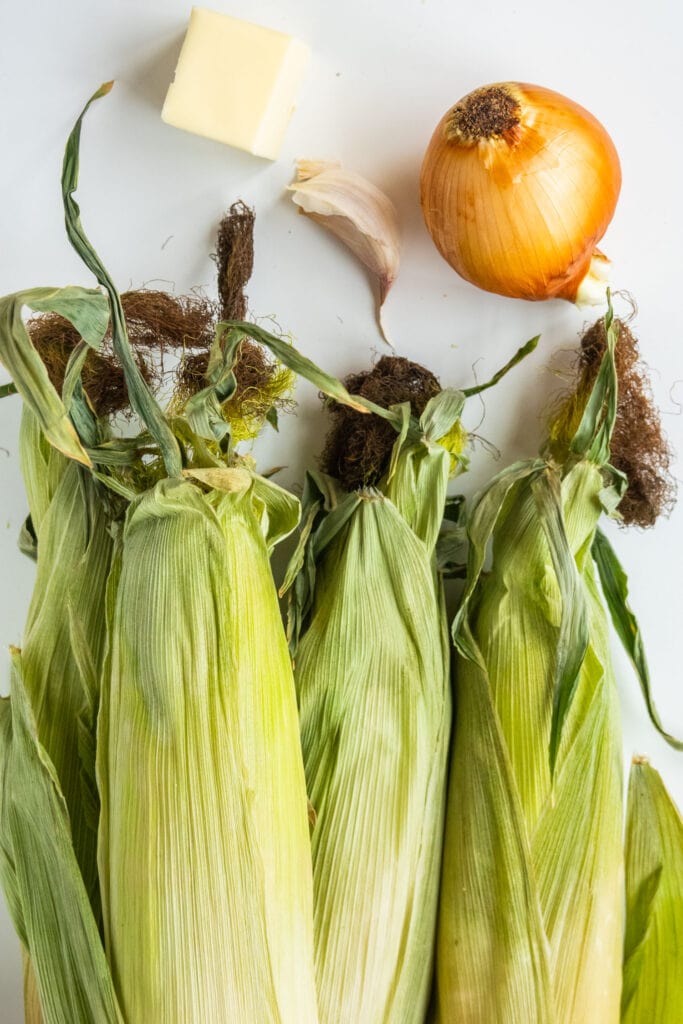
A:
[235, 82]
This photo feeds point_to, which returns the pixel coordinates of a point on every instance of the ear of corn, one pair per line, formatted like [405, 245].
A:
[372, 672]
[205, 860]
[41, 877]
[199, 758]
[531, 911]
[653, 981]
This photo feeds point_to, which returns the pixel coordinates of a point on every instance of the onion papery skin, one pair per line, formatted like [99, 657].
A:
[521, 212]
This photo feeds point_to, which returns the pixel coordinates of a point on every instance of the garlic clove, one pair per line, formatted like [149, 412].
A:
[357, 212]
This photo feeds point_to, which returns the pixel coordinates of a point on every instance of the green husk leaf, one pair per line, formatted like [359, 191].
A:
[615, 588]
[74, 552]
[55, 920]
[304, 367]
[451, 545]
[141, 399]
[519, 355]
[406, 428]
[72, 374]
[298, 558]
[8, 389]
[572, 641]
[8, 872]
[372, 678]
[653, 981]
[115, 485]
[441, 412]
[42, 468]
[203, 410]
[28, 542]
[87, 718]
[594, 433]
[276, 508]
[421, 469]
[488, 508]
[323, 525]
[638, 919]
[490, 913]
[576, 856]
[88, 311]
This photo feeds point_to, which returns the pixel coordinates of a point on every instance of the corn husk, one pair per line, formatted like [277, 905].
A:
[205, 860]
[65, 630]
[531, 913]
[64, 641]
[41, 878]
[372, 673]
[524, 851]
[653, 982]
[66, 533]
[367, 629]
[221, 928]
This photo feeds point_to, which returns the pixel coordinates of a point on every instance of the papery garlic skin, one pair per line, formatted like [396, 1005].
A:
[356, 211]
[518, 186]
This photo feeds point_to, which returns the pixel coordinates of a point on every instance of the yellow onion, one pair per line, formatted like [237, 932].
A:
[518, 186]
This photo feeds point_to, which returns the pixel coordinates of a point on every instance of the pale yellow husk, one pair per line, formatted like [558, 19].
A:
[204, 851]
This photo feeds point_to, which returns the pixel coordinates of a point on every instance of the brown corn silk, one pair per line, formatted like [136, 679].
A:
[639, 447]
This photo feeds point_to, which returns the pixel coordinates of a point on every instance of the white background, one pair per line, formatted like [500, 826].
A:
[382, 75]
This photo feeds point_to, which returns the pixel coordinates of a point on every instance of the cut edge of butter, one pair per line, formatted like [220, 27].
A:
[271, 133]
[236, 82]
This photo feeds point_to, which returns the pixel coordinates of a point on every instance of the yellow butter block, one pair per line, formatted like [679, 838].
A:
[235, 82]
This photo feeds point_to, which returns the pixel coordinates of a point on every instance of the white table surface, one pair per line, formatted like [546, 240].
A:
[381, 76]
